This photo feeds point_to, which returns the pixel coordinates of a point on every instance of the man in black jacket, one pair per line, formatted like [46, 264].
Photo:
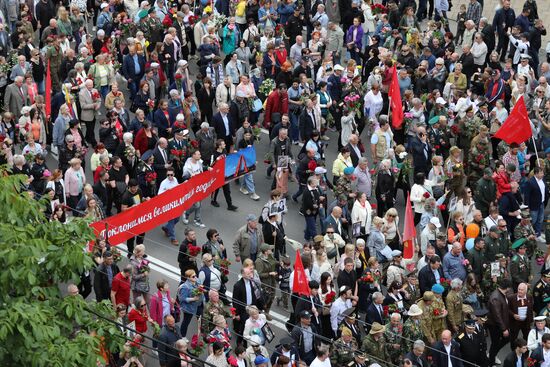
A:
[416, 355]
[294, 25]
[286, 347]
[311, 304]
[305, 337]
[311, 203]
[169, 335]
[505, 18]
[306, 167]
[441, 357]
[426, 275]
[246, 292]
[104, 275]
[421, 151]
[185, 260]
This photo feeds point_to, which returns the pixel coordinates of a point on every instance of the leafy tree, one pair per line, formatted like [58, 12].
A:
[38, 325]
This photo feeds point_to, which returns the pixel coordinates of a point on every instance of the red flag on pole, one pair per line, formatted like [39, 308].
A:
[409, 235]
[516, 128]
[396, 106]
[300, 283]
[48, 100]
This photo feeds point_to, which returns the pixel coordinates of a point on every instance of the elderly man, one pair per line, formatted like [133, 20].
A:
[382, 140]
[416, 355]
[364, 179]
[374, 344]
[394, 337]
[89, 108]
[224, 125]
[520, 305]
[15, 97]
[169, 336]
[454, 305]
[453, 263]
[429, 234]
[447, 352]
[210, 277]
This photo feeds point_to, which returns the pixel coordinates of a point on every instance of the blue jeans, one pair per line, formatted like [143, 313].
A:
[248, 183]
[170, 228]
[196, 208]
[41, 87]
[300, 191]
[104, 90]
[294, 127]
[537, 217]
[311, 228]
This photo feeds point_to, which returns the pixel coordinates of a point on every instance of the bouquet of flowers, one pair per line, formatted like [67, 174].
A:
[192, 19]
[233, 311]
[329, 298]
[29, 157]
[266, 87]
[389, 309]
[199, 291]
[196, 346]
[95, 95]
[378, 9]
[150, 177]
[150, 103]
[442, 207]
[367, 278]
[256, 131]
[144, 266]
[177, 153]
[455, 130]
[223, 265]
[117, 256]
[193, 250]
[156, 330]
[539, 257]
[135, 346]
[194, 144]
[437, 312]
[167, 21]
[219, 20]
[426, 195]
[446, 283]
[353, 103]
[531, 362]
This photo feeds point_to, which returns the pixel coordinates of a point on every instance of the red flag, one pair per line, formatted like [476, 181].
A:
[48, 91]
[516, 128]
[409, 235]
[396, 105]
[300, 283]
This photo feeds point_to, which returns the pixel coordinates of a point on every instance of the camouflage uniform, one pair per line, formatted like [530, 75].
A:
[520, 270]
[439, 324]
[393, 336]
[524, 231]
[479, 157]
[375, 348]
[427, 322]
[454, 309]
[469, 128]
[541, 291]
[487, 284]
[55, 56]
[342, 353]
[343, 187]
[412, 330]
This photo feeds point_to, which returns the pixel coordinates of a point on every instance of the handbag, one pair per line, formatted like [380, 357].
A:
[331, 254]
[257, 105]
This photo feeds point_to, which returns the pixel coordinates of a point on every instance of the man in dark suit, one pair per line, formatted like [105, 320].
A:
[447, 349]
[472, 344]
[104, 276]
[519, 354]
[375, 312]
[334, 221]
[498, 321]
[274, 234]
[245, 293]
[311, 202]
[163, 119]
[133, 69]
[307, 122]
[536, 196]
[353, 147]
[520, 305]
[421, 151]
[161, 160]
[427, 275]
[416, 355]
[542, 350]
[224, 125]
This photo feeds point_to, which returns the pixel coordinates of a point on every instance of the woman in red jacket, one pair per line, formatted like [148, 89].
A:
[161, 304]
[502, 179]
[139, 315]
[145, 138]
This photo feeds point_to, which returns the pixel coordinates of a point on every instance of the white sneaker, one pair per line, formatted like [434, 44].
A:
[185, 220]
[199, 224]
[255, 197]
[244, 191]
[497, 361]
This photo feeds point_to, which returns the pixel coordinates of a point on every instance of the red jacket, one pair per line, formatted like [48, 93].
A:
[156, 306]
[141, 141]
[503, 183]
[277, 102]
[140, 319]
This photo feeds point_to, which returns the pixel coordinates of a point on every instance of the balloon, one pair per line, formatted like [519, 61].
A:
[469, 244]
[472, 230]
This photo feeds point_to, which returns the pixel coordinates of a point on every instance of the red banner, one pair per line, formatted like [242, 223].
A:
[160, 209]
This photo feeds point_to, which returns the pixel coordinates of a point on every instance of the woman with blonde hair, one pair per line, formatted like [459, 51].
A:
[322, 263]
[390, 229]
[102, 74]
[77, 23]
[377, 242]
[349, 251]
[112, 95]
[254, 323]
[220, 333]
[64, 25]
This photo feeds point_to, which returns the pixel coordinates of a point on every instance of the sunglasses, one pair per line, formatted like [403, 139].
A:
[142, 305]
[193, 276]
[330, 232]
[170, 175]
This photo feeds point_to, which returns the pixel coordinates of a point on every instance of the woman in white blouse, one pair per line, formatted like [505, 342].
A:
[420, 191]
[373, 102]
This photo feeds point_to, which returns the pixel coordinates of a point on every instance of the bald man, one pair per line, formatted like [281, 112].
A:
[447, 350]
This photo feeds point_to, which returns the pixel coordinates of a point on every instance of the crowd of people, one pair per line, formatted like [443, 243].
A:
[175, 86]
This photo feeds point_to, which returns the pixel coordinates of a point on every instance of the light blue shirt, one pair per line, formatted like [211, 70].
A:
[136, 64]
[226, 124]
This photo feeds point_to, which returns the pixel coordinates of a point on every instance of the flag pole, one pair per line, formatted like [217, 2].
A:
[536, 152]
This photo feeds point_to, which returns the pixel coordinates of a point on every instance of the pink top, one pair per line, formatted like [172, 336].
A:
[74, 181]
[156, 306]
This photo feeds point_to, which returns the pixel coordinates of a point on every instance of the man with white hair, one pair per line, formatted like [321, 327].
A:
[127, 153]
[15, 96]
[166, 57]
[479, 51]
[321, 16]
[98, 42]
[469, 33]
[89, 109]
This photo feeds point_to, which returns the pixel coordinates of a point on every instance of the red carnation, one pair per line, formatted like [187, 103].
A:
[233, 311]
[178, 76]
[442, 207]
[312, 165]
[426, 194]
[194, 144]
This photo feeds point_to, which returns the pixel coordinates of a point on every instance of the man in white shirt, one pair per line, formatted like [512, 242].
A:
[535, 197]
[322, 359]
[167, 184]
[296, 51]
[541, 355]
[429, 234]
[339, 306]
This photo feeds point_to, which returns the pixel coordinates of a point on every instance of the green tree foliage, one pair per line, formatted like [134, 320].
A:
[38, 325]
